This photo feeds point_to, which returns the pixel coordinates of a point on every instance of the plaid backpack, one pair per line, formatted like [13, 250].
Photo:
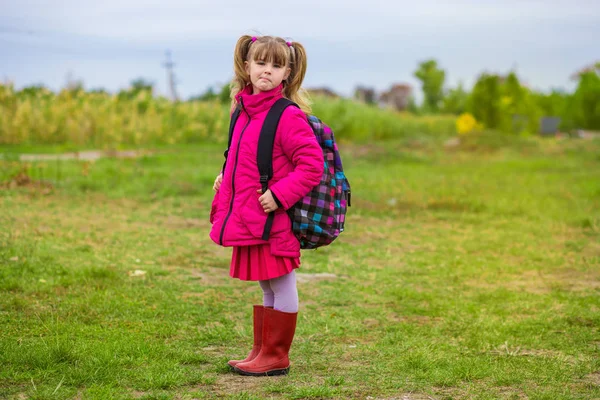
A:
[318, 218]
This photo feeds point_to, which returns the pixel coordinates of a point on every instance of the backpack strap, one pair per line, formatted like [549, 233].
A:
[232, 121]
[264, 158]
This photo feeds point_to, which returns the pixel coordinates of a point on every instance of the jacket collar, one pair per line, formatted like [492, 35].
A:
[254, 104]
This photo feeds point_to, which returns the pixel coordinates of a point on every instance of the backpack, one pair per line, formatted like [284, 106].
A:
[319, 217]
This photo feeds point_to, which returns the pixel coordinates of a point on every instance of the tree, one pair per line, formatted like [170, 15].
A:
[412, 105]
[98, 90]
[555, 104]
[484, 102]
[455, 100]
[514, 117]
[206, 96]
[585, 103]
[141, 84]
[520, 106]
[224, 94]
[33, 90]
[504, 104]
[552, 104]
[432, 82]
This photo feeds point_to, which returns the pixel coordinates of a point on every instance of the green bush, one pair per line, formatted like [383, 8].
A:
[101, 120]
[355, 121]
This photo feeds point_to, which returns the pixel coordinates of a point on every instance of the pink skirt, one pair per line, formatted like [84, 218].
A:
[256, 263]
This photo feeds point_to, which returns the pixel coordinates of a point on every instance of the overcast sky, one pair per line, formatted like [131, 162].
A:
[108, 43]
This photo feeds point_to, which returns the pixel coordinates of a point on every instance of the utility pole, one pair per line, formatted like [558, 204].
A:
[171, 76]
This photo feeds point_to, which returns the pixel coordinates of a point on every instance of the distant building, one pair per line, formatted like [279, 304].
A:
[322, 91]
[365, 94]
[398, 97]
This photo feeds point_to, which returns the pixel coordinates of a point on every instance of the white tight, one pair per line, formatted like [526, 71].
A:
[281, 293]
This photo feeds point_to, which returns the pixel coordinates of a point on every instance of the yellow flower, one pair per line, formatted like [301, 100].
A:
[466, 123]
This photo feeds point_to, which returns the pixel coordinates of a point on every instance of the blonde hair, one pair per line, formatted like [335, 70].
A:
[276, 50]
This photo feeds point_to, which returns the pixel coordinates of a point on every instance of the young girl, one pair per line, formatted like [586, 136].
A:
[266, 69]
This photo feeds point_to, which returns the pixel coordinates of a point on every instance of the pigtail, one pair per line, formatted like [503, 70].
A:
[240, 77]
[291, 53]
[293, 88]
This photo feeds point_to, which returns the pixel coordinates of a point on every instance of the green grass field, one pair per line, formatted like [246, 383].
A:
[464, 273]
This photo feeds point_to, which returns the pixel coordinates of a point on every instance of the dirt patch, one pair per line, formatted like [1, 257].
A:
[304, 278]
[593, 378]
[394, 236]
[507, 392]
[175, 222]
[578, 281]
[530, 281]
[385, 319]
[536, 282]
[214, 350]
[209, 294]
[91, 155]
[233, 383]
[518, 351]
[364, 150]
[405, 396]
[420, 320]
[387, 206]
[23, 180]
[211, 276]
[219, 251]
[592, 251]
[94, 213]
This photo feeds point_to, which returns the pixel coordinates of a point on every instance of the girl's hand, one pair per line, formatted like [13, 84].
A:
[217, 183]
[267, 201]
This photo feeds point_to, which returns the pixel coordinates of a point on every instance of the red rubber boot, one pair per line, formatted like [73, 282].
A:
[278, 333]
[258, 329]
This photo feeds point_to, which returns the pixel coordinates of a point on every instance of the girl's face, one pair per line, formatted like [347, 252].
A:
[265, 75]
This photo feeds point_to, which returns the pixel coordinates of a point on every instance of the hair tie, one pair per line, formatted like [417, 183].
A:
[253, 39]
[289, 44]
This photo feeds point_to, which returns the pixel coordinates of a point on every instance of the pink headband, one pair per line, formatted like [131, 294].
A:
[254, 39]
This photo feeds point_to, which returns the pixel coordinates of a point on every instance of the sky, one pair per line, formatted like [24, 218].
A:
[107, 44]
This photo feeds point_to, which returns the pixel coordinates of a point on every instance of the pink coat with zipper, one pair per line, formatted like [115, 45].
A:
[236, 214]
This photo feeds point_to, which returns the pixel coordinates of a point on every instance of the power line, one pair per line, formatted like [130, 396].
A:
[171, 76]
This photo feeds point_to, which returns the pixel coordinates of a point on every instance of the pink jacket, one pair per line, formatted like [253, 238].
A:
[236, 214]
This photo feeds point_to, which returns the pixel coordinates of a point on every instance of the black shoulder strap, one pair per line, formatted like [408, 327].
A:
[232, 121]
[264, 158]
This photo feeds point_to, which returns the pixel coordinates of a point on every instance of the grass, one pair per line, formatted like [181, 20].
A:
[466, 272]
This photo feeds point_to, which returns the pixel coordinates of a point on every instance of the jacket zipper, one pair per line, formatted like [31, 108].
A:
[237, 154]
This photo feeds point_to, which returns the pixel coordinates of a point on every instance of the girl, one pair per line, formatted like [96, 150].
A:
[266, 69]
